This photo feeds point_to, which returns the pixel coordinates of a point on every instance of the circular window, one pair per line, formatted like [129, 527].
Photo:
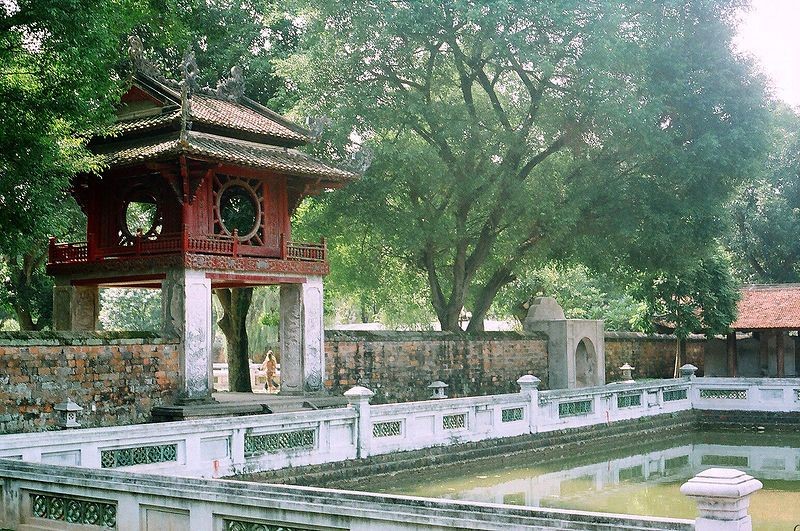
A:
[239, 210]
[142, 215]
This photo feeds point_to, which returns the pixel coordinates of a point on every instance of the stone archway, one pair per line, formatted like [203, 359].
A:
[585, 363]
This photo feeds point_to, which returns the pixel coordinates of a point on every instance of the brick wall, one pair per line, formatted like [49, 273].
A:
[398, 366]
[652, 356]
[116, 378]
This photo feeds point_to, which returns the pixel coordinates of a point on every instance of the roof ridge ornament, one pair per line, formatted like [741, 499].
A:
[232, 88]
[188, 85]
[140, 62]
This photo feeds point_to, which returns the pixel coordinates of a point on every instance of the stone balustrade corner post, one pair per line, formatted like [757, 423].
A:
[358, 399]
[529, 385]
[723, 499]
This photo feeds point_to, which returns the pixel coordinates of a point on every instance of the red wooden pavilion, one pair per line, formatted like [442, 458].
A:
[198, 193]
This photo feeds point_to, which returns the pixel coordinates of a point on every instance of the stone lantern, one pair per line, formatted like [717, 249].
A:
[626, 373]
[68, 414]
[438, 387]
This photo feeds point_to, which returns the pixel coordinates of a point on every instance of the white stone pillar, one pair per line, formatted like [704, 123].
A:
[529, 386]
[723, 497]
[358, 399]
[291, 339]
[313, 335]
[186, 305]
[302, 337]
[76, 307]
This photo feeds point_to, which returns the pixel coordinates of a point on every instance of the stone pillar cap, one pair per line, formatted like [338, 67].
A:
[438, 384]
[627, 366]
[688, 367]
[529, 379]
[721, 483]
[359, 391]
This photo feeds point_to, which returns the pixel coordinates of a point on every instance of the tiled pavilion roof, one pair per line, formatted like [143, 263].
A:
[162, 118]
[769, 306]
[234, 151]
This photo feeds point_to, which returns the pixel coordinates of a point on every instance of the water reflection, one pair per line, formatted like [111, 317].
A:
[643, 481]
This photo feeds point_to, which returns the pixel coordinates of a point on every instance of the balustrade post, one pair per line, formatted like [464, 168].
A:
[529, 386]
[283, 246]
[91, 252]
[723, 498]
[235, 242]
[51, 250]
[358, 399]
[137, 242]
[324, 249]
[185, 238]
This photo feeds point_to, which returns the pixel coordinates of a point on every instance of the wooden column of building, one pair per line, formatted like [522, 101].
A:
[763, 351]
[779, 353]
[732, 354]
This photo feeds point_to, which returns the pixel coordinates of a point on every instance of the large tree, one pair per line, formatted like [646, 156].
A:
[509, 133]
[55, 64]
[766, 210]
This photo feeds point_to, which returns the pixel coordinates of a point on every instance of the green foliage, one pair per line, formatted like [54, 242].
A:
[580, 293]
[263, 322]
[766, 210]
[702, 300]
[509, 134]
[367, 282]
[224, 33]
[55, 81]
[130, 309]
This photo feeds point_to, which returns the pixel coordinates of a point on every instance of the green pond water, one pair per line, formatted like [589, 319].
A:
[644, 480]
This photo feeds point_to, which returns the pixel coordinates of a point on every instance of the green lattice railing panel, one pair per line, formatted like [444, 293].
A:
[241, 525]
[725, 460]
[392, 428]
[270, 443]
[629, 400]
[138, 455]
[74, 510]
[454, 422]
[675, 394]
[574, 409]
[512, 414]
[724, 394]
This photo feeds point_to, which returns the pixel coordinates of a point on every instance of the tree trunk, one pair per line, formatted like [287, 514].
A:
[486, 296]
[235, 305]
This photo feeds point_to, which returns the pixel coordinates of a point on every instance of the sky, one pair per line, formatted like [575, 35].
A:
[770, 31]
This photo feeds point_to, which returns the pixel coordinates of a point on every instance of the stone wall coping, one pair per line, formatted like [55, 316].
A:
[623, 336]
[448, 405]
[119, 436]
[64, 338]
[614, 387]
[428, 335]
[372, 506]
[739, 382]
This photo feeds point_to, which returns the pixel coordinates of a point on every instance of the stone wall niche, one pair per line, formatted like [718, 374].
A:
[576, 347]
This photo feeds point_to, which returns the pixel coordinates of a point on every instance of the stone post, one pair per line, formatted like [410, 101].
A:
[529, 386]
[301, 336]
[687, 371]
[76, 307]
[186, 309]
[723, 497]
[358, 399]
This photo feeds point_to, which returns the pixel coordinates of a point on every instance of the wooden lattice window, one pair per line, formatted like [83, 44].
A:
[239, 205]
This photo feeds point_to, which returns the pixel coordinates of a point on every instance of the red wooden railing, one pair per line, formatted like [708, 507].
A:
[217, 244]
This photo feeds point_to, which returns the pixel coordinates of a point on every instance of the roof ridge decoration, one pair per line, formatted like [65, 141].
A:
[142, 65]
[231, 88]
[188, 85]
